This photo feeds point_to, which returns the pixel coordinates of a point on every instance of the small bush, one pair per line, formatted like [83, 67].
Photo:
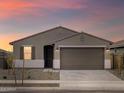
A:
[29, 77]
[4, 77]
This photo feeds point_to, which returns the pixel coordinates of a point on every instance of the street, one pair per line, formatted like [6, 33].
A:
[61, 91]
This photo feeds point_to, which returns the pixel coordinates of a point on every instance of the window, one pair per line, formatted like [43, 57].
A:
[27, 52]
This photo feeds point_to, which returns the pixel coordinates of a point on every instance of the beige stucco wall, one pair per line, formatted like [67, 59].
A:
[57, 54]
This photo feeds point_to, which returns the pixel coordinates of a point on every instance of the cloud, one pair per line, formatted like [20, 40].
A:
[15, 8]
[106, 22]
[5, 39]
[97, 15]
[115, 33]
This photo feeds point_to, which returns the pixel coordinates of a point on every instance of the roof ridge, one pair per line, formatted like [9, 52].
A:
[42, 33]
[67, 37]
[83, 33]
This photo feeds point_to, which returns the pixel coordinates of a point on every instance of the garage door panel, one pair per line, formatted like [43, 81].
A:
[82, 58]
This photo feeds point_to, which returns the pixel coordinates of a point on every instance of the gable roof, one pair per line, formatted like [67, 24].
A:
[76, 33]
[52, 29]
[85, 34]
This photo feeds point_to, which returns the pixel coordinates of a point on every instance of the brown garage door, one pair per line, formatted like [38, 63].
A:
[82, 58]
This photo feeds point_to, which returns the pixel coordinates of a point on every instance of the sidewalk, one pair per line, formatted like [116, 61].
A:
[72, 85]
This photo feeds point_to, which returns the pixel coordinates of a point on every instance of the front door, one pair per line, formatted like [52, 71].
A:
[48, 56]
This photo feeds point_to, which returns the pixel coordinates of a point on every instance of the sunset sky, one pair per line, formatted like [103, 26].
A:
[20, 18]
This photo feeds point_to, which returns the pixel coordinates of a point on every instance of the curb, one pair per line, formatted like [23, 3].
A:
[72, 85]
[3, 89]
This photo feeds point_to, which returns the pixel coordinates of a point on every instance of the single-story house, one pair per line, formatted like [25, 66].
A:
[117, 53]
[3, 59]
[61, 48]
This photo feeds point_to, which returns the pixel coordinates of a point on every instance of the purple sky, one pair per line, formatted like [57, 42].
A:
[20, 18]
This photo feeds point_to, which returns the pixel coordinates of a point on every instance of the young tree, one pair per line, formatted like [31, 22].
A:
[11, 65]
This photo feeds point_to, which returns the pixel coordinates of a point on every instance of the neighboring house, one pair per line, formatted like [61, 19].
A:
[118, 47]
[117, 53]
[61, 48]
[3, 59]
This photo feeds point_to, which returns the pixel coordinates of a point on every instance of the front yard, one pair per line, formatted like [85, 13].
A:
[30, 74]
[63, 75]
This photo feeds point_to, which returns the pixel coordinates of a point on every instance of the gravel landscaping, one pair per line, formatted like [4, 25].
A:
[30, 74]
[116, 73]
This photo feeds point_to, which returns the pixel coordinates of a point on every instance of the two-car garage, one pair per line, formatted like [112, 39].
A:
[82, 58]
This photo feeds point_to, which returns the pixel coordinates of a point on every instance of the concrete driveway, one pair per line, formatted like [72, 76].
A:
[87, 75]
